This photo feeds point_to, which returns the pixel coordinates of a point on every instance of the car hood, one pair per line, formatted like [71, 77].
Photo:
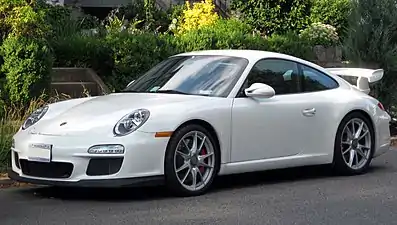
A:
[105, 111]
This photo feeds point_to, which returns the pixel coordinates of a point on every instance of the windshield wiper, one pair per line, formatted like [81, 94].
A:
[172, 92]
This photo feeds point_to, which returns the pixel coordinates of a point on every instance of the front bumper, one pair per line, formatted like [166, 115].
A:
[100, 183]
[71, 165]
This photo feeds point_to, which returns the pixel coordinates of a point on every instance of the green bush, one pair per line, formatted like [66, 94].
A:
[223, 34]
[333, 12]
[234, 34]
[320, 34]
[93, 52]
[27, 67]
[65, 20]
[60, 21]
[176, 11]
[120, 57]
[291, 44]
[144, 10]
[84, 51]
[273, 16]
[134, 54]
[22, 18]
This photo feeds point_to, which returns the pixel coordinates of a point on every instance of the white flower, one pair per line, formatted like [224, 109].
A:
[320, 33]
[172, 26]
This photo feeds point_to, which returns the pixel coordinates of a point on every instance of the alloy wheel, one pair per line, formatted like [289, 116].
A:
[194, 160]
[356, 143]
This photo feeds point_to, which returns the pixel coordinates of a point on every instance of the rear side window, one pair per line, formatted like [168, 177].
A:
[314, 80]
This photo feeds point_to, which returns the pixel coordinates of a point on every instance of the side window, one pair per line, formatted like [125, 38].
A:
[314, 80]
[282, 75]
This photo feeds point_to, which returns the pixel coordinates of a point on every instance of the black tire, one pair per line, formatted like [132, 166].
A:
[171, 179]
[339, 164]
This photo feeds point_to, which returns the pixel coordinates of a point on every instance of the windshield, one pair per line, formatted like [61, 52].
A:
[193, 75]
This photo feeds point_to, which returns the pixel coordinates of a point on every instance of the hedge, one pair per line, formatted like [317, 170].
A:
[27, 68]
[122, 57]
[117, 57]
[274, 16]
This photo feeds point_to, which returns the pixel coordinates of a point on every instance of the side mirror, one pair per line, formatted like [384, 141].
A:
[259, 90]
[130, 83]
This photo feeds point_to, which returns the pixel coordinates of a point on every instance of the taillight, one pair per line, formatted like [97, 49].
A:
[381, 106]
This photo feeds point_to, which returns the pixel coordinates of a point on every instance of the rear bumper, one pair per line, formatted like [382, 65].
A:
[100, 183]
[383, 137]
[382, 150]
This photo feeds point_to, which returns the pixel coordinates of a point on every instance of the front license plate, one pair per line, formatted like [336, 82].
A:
[40, 152]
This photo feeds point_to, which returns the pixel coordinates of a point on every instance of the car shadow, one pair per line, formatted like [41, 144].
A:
[221, 184]
[270, 177]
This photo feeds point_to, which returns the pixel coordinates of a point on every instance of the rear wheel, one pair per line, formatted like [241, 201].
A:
[354, 144]
[192, 161]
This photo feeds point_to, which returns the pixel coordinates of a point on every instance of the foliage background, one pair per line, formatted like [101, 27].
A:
[35, 37]
[371, 42]
[334, 13]
[273, 16]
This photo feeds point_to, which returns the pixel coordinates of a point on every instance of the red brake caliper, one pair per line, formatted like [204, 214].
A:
[202, 153]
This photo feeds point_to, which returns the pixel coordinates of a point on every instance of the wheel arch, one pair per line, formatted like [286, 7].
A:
[208, 127]
[366, 115]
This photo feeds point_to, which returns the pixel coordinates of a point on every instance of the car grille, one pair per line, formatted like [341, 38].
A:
[47, 170]
[16, 157]
[104, 166]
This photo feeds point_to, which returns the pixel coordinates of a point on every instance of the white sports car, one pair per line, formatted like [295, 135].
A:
[202, 114]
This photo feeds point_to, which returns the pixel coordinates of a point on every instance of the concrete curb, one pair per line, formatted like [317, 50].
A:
[393, 141]
[6, 181]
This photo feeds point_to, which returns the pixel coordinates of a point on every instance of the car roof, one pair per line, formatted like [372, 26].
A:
[252, 55]
[248, 54]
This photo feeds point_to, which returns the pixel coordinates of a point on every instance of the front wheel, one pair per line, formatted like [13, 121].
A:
[191, 161]
[354, 145]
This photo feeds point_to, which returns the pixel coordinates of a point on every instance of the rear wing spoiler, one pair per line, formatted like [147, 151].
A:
[359, 77]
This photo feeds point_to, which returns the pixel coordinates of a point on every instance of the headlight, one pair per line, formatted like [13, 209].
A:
[130, 122]
[34, 117]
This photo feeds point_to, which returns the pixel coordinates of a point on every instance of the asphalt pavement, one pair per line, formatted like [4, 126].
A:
[303, 196]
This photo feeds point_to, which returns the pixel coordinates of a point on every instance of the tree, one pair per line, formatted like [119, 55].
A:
[371, 41]
[333, 12]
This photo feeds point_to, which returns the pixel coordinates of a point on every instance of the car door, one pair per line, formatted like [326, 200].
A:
[320, 94]
[273, 127]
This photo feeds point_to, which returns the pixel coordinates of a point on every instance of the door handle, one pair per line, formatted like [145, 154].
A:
[309, 112]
